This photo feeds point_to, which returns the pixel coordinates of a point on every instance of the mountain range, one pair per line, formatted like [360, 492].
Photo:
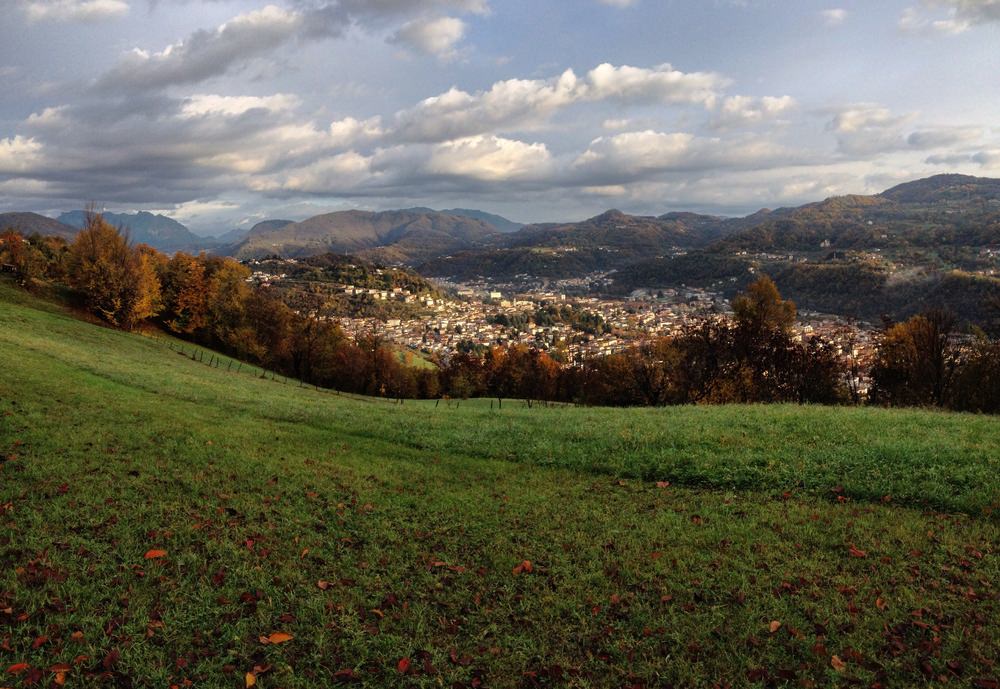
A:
[166, 234]
[405, 236]
[933, 241]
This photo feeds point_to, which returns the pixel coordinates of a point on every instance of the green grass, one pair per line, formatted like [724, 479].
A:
[416, 514]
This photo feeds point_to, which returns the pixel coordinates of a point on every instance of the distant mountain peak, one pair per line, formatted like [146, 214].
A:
[159, 231]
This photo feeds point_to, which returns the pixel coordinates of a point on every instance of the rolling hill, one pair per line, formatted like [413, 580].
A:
[941, 211]
[388, 237]
[173, 522]
[611, 240]
[32, 223]
[159, 231]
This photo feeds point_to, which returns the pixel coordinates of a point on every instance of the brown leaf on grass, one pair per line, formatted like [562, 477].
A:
[111, 659]
[855, 552]
[155, 554]
[17, 668]
[880, 604]
[774, 626]
[525, 567]
[663, 484]
[838, 664]
[76, 636]
[250, 679]
[403, 665]
[276, 638]
[322, 585]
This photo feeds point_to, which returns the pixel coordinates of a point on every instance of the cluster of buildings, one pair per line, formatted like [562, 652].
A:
[484, 317]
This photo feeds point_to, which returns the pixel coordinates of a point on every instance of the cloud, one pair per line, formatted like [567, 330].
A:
[662, 84]
[507, 105]
[210, 103]
[350, 132]
[949, 16]
[210, 53]
[618, 3]
[834, 17]
[737, 110]
[489, 158]
[635, 155]
[617, 123]
[18, 154]
[73, 10]
[205, 53]
[867, 129]
[517, 104]
[436, 36]
[865, 117]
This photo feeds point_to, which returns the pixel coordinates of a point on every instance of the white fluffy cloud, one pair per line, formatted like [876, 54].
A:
[489, 158]
[747, 110]
[634, 155]
[18, 154]
[73, 10]
[662, 84]
[526, 103]
[436, 36]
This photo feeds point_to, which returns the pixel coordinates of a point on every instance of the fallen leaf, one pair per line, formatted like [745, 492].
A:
[838, 664]
[278, 638]
[524, 567]
[322, 585]
[774, 626]
[855, 552]
[403, 665]
[155, 554]
[17, 668]
[663, 484]
[880, 604]
[251, 679]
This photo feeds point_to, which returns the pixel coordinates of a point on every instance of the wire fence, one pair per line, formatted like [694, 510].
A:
[235, 366]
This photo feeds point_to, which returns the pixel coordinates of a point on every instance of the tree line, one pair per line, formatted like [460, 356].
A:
[751, 357]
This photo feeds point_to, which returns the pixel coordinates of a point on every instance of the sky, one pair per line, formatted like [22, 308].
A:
[222, 113]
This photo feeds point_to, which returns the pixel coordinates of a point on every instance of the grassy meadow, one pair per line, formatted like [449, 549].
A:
[166, 523]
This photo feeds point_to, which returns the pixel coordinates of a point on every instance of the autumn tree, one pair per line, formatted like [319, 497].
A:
[185, 293]
[916, 361]
[761, 308]
[28, 261]
[116, 281]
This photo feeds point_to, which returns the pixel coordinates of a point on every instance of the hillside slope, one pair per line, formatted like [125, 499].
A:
[389, 236]
[172, 522]
[31, 223]
[159, 231]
